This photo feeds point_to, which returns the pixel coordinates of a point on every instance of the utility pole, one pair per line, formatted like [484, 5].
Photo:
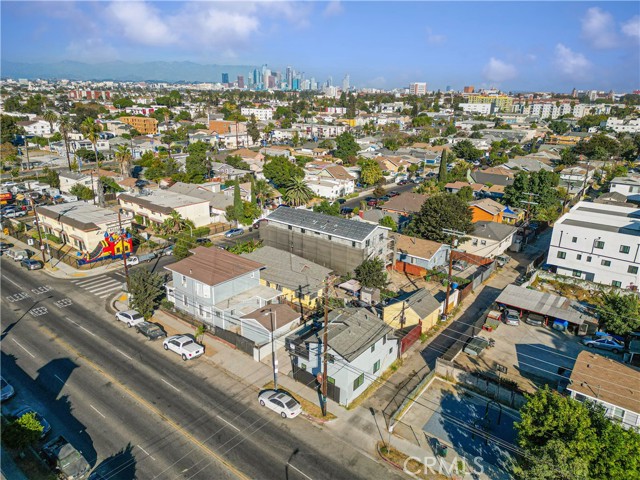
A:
[454, 235]
[325, 340]
[92, 189]
[26, 149]
[35, 213]
[529, 203]
[586, 176]
[124, 254]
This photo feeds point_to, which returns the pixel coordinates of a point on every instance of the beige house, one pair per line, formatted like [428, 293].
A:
[413, 308]
[80, 224]
[158, 206]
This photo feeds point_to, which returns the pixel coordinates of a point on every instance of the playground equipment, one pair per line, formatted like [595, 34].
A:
[111, 247]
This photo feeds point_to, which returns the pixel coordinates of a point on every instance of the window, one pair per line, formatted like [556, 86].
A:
[579, 257]
[331, 380]
[616, 283]
[617, 413]
[384, 340]
[367, 243]
[598, 244]
[184, 280]
[483, 242]
[390, 350]
[184, 300]
[625, 249]
[376, 366]
[373, 348]
[357, 383]
[577, 273]
[290, 227]
[353, 244]
[605, 263]
[632, 269]
[562, 254]
[588, 259]
[302, 230]
[303, 366]
[580, 397]
[475, 242]
[329, 237]
[574, 239]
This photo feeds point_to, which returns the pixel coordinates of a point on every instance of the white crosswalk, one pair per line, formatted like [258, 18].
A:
[102, 286]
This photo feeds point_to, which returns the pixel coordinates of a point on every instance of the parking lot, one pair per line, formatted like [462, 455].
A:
[531, 354]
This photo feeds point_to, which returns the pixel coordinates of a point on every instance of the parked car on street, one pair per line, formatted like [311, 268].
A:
[393, 193]
[6, 390]
[65, 459]
[130, 317]
[31, 264]
[167, 250]
[17, 254]
[372, 203]
[150, 330]
[27, 409]
[5, 246]
[280, 402]
[607, 343]
[184, 346]
[403, 182]
[234, 232]
[133, 260]
[259, 223]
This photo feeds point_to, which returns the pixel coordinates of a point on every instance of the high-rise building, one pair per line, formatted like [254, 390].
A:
[468, 89]
[225, 78]
[240, 81]
[289, 77]
[330, 81]
[345, 83]
[418, 88]
[295, 84]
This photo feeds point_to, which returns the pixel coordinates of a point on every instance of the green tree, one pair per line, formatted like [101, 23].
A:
[123, 156]
[297, 192]
[197, 163]
[262, 191]
[9, 128]
[146, 289]
[110, 186]
[379, 191]
[122, 102]
[619, 314]
[559, 127]
[66, 128]
[252, 129]
[346, 146]
[466, 150]
[465, 193]
[236, 162]
[328, 208]
[389, 222]
[9, 155]
[280, 170]
[442, 169]
[370, 172]
[238, 208]
[371, 273]
[538, 187]
[82, 192]
[50, 116]
[51, 177]
[439, 212]
[22, 432]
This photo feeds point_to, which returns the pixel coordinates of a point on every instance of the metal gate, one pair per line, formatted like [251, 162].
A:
[241, 343]
[309, 380]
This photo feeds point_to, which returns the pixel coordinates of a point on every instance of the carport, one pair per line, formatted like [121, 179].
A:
[551, 306]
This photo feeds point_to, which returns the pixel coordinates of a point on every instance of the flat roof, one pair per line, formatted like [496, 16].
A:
[553, 306]
[81, 215]
[603, 217]
[163, 201]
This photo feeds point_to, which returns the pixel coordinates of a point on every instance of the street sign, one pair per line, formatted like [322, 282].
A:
[501, 368]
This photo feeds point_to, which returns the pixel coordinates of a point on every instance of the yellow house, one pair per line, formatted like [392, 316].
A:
[299, 280]
[412, 308]
[348, 121]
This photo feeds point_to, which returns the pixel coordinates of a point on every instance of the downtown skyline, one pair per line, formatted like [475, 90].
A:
[507, 45]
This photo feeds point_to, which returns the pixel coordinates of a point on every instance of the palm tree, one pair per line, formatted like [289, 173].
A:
[65, 128]
[297, 192]
[262, 191]
[91, 131]
[123, 155]
[50, 116]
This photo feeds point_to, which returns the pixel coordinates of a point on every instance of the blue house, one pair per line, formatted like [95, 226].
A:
[360, 348]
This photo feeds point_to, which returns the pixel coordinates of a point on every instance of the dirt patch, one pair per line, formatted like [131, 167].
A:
[398, 459]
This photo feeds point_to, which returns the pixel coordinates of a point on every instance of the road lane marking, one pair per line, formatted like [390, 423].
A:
[65, 302]
[148, 454]
[11, 281]
[176, 389]
[98, 411]
[300, 472]
[61, 380]
[18, 296]
[38, 311]
[22, 347]
[42, 289]
[228, 423]
[87, 330]
[123, 354]
[143, 401]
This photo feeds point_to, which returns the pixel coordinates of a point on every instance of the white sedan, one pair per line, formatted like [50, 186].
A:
[130, 317]
[280, 402]
[184, 346]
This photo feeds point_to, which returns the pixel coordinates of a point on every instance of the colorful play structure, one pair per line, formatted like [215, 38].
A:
[108, 249]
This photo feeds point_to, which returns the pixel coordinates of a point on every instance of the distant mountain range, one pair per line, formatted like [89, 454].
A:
[124, 71]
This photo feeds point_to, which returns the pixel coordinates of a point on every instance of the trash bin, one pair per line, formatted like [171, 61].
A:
[444, 449]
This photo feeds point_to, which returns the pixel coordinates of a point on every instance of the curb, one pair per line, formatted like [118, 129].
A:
[390, 462]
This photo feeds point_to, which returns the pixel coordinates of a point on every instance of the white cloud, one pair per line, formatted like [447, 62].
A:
[377, 82]
[91, 50]
[434, 38]
[631, 28]
[598, 28]
[571, 64]
[334, 7]
[499, 71]
[141, 23]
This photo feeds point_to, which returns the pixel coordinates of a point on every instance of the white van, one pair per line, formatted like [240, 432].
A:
[17, 254]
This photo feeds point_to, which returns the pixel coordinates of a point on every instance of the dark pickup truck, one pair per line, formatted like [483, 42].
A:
[65, 459]
[150, 330]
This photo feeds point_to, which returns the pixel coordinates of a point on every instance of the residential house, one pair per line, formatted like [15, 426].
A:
[255, 160]
[301, 281]
[489, 239]
[331, 182]
[416, 256]
[333, 242]
[225, 172]
[613, 198]
[528, 164]
[277, 151]
[606, 382]
[418, 307]
[158, 205]
[211, 192]
[486, 210]
[576, 178]
[494, 176]
[404, 205]
[81, 224]
[144, 125]
[628, 186]
[599, 243]
[69, 179]
[455, 187]
[36, 127]
[360, 348]
[223, 290]
[513, 215]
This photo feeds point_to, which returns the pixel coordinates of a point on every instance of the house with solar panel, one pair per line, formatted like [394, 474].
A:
[336, 243]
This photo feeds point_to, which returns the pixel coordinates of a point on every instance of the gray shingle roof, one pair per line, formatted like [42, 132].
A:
[492, 230]
[319, 222]
[420, 301]
[353, 330]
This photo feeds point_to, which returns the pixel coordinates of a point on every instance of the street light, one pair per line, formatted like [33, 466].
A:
[273, 348]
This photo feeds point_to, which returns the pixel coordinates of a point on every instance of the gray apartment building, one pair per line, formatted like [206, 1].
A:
[333, 242]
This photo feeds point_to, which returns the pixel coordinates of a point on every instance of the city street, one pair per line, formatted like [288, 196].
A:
[125, 402]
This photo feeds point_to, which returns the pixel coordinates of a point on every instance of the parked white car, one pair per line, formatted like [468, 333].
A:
[133, 260]
[280, 402]
[130, 317]
[184, 346]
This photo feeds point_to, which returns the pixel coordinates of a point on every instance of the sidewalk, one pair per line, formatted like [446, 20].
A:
[57, 268]
[8, 469]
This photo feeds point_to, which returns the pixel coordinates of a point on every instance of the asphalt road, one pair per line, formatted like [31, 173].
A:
[117, 393]
[355, 202]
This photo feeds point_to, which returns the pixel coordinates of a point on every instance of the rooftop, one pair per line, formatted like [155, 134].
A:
[408, 202]
[319, 222]
[417, 247]
[81, 215]
[283, 315]
[603, 217]
[420, 301]
[164, 201]
[492, 230]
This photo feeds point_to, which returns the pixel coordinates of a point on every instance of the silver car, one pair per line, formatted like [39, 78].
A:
[607, 343]
[6, 390]
[280, 402]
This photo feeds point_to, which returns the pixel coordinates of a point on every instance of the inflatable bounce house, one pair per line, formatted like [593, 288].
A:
[109, 248]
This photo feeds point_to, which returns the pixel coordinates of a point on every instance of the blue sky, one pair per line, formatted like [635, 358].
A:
[510, 45]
